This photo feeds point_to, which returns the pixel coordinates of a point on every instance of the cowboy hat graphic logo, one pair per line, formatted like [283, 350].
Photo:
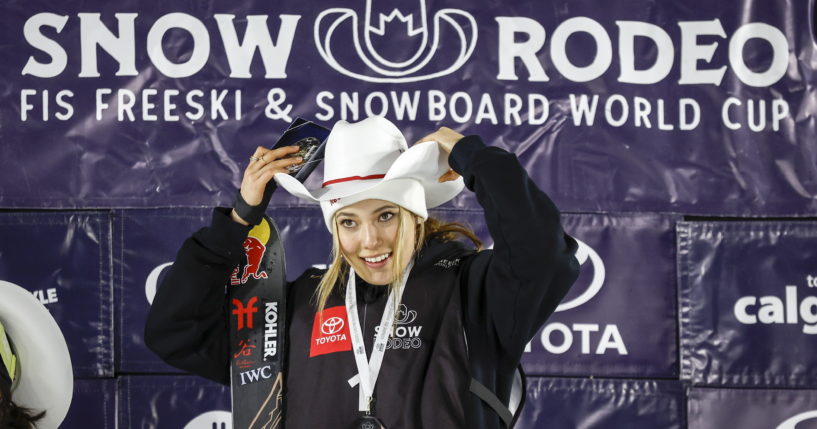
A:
[396, 42]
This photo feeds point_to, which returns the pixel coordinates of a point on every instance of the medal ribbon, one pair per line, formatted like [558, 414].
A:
[369, 369]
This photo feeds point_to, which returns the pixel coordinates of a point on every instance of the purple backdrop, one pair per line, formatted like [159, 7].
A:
[64, 259]
[93, 404]
[598, 404]
[748, 306]
[599, 329]
[151, 402]
[639, 106]
[746, 408]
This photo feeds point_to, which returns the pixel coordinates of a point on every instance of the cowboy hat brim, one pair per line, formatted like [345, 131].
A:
[46, 381]
[424, 162]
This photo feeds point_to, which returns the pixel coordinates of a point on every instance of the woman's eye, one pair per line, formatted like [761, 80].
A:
[387, 216]
[347, 223]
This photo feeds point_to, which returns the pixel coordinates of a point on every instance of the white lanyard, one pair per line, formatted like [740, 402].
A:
[368, 370]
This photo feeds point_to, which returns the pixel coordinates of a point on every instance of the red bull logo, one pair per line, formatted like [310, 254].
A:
[254, 249]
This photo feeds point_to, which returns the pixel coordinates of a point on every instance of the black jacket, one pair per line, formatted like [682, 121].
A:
[499, 298]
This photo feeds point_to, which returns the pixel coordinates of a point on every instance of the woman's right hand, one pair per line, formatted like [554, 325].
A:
[264, 164]
[447, 139]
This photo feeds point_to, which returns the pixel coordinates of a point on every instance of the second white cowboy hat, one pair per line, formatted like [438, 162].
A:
[44, 379]
[371, 160]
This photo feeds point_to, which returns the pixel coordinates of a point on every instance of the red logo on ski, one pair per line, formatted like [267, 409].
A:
[254, 249]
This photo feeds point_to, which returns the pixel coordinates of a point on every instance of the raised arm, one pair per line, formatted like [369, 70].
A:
[512, 289]
[187, 324]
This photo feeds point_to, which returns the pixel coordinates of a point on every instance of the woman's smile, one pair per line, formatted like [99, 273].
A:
[377, 261]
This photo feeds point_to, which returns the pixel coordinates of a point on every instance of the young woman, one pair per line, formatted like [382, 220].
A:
[464, 315]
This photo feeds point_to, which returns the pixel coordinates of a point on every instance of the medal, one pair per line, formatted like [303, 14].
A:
[368, 422]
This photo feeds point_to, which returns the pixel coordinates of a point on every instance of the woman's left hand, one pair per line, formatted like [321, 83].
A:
[446, 138]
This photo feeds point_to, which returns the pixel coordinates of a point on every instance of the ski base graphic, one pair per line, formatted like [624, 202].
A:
[257, 305]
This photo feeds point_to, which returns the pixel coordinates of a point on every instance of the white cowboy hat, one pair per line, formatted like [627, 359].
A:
[44, 378]
[371, 160]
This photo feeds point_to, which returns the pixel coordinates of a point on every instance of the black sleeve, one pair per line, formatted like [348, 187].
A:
[511, 290]
[187, 323]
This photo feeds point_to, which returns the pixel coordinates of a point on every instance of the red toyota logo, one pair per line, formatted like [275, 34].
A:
[330, 334]
[332, 325]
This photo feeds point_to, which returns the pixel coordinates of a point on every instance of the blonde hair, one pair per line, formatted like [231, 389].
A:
[424, 231]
